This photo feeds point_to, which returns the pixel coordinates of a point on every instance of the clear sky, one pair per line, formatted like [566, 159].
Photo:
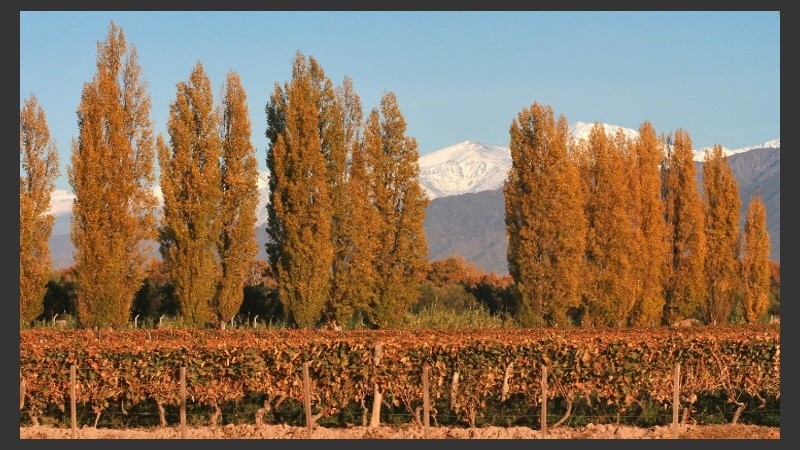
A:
[457, 75]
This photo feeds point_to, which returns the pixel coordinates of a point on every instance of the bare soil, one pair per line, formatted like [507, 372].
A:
[590, 431]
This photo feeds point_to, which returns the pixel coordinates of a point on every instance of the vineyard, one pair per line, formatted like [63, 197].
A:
[471, 377]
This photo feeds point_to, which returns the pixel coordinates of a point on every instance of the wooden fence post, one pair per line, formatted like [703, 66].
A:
[183, 402]
[544, 402]
[676, 384]
[454, 390]
[377, 397]
[307, 389]
[21, 391]
[73, 413]
[426, 401]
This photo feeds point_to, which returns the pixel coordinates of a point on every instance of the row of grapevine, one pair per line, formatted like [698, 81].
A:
[618, 367]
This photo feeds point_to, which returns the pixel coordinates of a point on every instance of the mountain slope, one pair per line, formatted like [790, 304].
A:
[471, 225]
[760, 170]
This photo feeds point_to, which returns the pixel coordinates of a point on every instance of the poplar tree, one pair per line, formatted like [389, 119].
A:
[609, 287]
[334, 149]
[721, 207]
[401, 257]
[111, 176]
[299, 227]
[685, 284]
[237, 246]
[354, 272]
[650, 251]
[40, 163]
[755, 270]
[190, 181]
[545, 224]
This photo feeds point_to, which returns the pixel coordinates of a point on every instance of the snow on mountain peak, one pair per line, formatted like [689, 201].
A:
[468, 166]
[61, 202]
[700, 154]
[473, 166]
[582, 130]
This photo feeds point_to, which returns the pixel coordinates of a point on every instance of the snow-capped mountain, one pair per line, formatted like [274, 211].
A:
[468, 166]
[472, 166]
[61, 202]
[581, 130]
[699, 155]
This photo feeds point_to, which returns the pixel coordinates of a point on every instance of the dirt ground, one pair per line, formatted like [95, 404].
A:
[409, 432]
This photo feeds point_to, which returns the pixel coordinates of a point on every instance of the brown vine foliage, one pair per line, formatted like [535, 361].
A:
[618, 367]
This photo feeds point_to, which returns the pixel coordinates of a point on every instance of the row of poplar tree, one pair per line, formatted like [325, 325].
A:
[606, 231]
[344, 218]
[610, 231]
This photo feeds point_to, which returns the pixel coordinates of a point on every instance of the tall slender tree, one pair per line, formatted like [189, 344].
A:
[299, 227]
[190, 181]
[237, 245]
[721, 206]
[685, 284]
[609, 287]
[40, 163]
[650, 251]
[392, 159]
[545, 223]
[354, 273]
[334, 148]
[112, 176]
[755, 261]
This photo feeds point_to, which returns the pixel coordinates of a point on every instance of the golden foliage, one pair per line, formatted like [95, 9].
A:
[456, 270]
[609, 286]
[111, 176]
[190, 183]
[545, 224]
[237, 246]
[755, 267]
[354, 236]
[299, 225]
[685, 282]
[393, 171]
[721, 206]
[40, 163]
[650, 250]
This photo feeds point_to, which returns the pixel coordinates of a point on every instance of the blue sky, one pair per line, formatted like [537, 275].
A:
[457, 75]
